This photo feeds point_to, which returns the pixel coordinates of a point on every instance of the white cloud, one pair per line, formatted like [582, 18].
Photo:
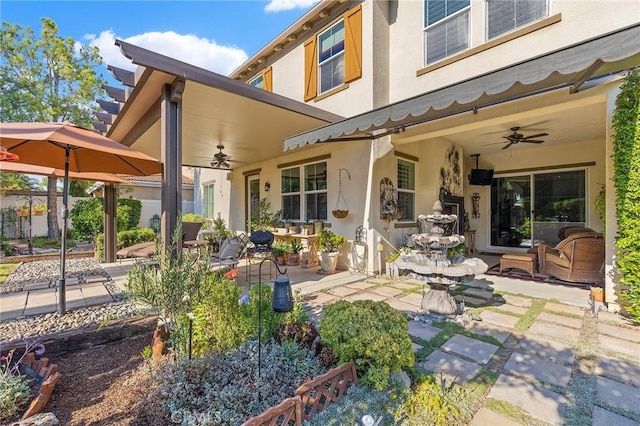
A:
[280, 5]
[188, 48]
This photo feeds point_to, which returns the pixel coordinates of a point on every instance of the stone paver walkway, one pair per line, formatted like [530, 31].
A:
[539, 367]
[547, 357]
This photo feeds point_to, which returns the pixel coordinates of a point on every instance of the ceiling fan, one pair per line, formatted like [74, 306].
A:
[516, 137]
[220, 159]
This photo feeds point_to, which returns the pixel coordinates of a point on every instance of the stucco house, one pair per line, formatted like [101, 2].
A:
[419, 92]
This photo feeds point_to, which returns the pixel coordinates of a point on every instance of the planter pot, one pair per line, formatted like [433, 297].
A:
[328, 262]
[597, 294]
[294, 259]
[281, 260]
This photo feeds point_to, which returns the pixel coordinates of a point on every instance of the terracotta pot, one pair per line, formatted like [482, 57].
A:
[294, 258]
[597, 294]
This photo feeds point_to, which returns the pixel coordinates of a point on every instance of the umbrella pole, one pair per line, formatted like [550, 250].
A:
[62, 284]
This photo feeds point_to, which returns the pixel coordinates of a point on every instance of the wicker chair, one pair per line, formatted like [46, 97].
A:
[579, 258]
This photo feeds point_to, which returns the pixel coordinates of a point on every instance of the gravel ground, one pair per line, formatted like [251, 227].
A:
[49, 271]
[43, 324]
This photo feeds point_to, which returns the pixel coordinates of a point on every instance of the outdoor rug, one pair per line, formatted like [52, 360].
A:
[537, 277]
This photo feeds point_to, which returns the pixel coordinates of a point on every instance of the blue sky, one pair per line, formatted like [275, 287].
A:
[216, 35]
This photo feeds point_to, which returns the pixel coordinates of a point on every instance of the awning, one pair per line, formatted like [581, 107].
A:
[571, 66]
[215, 110]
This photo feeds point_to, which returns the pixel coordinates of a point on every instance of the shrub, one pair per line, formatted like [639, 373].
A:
[192, 217]
[14, 394]
[173, 290]
[626, 179]
[359, 401]
[439, 403]
[126, 239]
[371, 334]
[223, 319]
[87, 216]
[223, 388]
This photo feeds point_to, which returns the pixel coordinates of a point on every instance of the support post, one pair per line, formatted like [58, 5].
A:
[110, 222]
[171, 157]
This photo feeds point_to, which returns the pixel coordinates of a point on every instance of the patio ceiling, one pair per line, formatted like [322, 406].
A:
[450, 112]
[251, 123]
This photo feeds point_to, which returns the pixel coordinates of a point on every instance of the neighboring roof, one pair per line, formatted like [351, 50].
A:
[155, 179]
[251, 123]
[570, 66]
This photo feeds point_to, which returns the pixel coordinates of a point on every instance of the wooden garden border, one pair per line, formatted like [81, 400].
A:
[50, 375]
[311, 398]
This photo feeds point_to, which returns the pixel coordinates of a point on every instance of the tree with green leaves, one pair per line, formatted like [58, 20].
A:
[47, 78]
[16, 182]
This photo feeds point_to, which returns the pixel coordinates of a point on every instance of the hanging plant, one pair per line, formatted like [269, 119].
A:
[23, 211]
[342, 209]
[38, 209]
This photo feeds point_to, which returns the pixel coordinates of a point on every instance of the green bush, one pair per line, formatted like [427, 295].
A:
[14, 394]
[224, 318]
[371, 334]
[223, 388]
[626, 179]
[87, 216]
[192, 217]
[125, 239]
[359, 401]
[172, 291]
[438, 402]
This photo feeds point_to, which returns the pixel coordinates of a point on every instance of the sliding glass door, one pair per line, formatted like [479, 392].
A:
[529, 208]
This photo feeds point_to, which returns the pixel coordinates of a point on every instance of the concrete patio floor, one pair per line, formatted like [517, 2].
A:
[564, 347]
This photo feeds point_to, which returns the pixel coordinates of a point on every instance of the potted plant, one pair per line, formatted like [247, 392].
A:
[329, 244]
[293, 252]
[279, 252]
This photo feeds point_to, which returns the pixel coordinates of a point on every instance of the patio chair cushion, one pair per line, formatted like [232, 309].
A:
[231, 248]
[138, 250]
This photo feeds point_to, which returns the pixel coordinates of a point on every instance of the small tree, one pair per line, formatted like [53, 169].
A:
[47, 78]
[265, 218]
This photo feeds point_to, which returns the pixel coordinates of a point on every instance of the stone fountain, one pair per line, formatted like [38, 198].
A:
[432, 266]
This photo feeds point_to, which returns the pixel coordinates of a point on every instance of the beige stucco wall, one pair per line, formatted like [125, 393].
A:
[406, 41]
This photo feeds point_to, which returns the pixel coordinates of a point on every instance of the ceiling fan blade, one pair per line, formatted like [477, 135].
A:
[536, 136]
[531, 141]
[508, 145]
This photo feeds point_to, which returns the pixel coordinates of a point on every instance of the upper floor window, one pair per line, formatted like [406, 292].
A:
[257, 82]
[331, 57]
[446, 29]
[506, 15]
[310, 198]
[264, 80]
[407, 189]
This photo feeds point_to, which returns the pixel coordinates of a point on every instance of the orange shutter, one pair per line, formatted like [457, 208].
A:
[310, 69]
[353, 44]
[267, 79]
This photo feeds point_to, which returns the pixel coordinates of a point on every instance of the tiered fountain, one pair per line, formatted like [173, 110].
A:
[432, 266]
